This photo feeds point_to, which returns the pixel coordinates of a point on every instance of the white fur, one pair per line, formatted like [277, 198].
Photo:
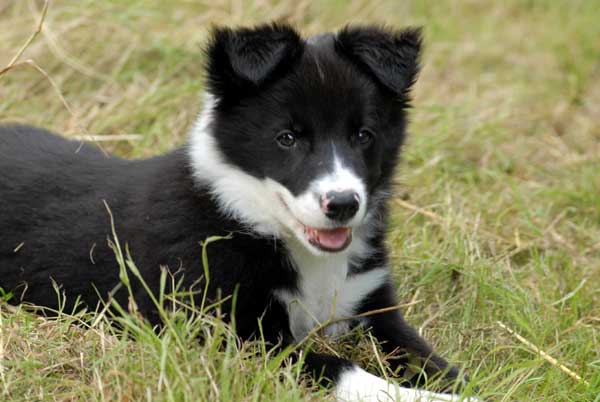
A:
[325, 292]
[356, 385]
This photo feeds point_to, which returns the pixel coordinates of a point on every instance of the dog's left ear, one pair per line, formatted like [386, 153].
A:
[391, 57]
[242, 60]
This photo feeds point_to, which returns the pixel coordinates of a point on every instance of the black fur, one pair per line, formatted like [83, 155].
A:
[54, 224]
[392, 58]
[240, 61]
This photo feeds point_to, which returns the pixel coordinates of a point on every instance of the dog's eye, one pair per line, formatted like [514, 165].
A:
[286, 139]
[364, 136]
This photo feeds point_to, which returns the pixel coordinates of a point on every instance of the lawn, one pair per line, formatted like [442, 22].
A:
[496, 217]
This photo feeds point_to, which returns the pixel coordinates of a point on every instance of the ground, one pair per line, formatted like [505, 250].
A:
[496, 216]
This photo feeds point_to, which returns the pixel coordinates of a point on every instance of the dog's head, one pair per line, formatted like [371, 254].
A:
[299, 138]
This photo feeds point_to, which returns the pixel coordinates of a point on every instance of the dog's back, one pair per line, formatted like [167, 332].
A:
[32, 159]
[47, 185]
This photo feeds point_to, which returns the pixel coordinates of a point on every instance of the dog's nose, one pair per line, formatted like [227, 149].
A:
[340, 205]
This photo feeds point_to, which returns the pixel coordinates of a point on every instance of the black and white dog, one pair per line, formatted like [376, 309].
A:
[293, 155]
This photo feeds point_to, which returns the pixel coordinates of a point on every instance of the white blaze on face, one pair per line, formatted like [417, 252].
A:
[341, 179]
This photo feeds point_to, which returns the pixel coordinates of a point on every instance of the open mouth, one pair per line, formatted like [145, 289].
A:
[329, 239]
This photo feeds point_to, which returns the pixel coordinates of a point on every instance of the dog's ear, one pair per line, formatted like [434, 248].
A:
[391, 57]
[243, 59]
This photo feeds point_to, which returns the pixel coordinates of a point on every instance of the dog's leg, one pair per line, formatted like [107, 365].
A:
[353, 384]
[397, 336]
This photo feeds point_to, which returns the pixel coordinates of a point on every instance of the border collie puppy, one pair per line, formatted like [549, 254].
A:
[293, 156]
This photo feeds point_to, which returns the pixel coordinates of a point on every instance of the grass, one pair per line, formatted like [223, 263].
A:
[497, 215]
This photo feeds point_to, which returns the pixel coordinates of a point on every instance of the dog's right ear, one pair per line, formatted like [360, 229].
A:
[242, 60]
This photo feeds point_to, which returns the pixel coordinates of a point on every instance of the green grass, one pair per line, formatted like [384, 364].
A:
[497, 216]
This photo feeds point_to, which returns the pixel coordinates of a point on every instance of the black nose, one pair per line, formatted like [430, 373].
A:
[340, 205]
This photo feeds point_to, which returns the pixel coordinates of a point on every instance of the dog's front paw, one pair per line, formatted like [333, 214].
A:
[356, 385]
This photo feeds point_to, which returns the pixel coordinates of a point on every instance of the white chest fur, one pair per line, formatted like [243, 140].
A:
[325, 292]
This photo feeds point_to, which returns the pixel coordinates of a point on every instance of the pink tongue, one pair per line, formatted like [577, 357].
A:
[332, 238]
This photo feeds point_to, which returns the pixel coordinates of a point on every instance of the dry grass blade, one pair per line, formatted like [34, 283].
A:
[108, 137]
[31, 38]
[369, 313]
[543, 354]
[54, 85]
